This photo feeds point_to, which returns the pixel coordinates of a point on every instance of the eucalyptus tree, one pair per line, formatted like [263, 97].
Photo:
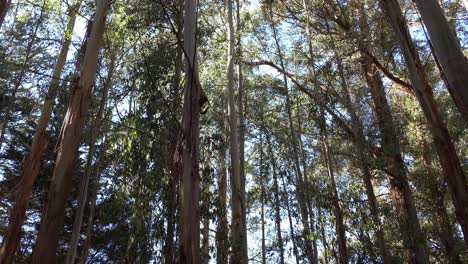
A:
[443, 143]
[188, 142]
[448, 52]
[53, 215]
[238, 225]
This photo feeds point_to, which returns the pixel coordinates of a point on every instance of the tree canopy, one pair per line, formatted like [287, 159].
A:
[233, 131]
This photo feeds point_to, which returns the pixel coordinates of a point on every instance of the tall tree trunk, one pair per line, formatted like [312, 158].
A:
[372, 200]
[92, 204]
[446, 232]
[300, 179]
[73, 124]
[448, 52]
[324, 237]
[381, 107]
[222, 244]
[366, 240]
[409, 224]
[31, 162]
[83, 194]
[399, 186]
[291, 226]
[4, 7]
[449, 161]
[189, 144]
[240, 102]
[445, 229]
[310, 198]
[402, 196]
[20, 76]
[277, 199]
[262, 198]
[238, 202]
[340, 226]
[262, 219]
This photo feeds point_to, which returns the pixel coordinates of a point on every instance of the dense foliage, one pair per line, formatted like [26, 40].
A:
[341, 161]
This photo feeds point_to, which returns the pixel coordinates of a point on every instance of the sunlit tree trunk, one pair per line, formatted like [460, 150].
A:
[238, 203]
[448, 53]
[31, 162]
[83, 194]
[73, 124]
[442, 141]
[382, 108]
[189, 144]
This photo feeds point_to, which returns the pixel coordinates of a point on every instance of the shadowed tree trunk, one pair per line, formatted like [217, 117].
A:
[449, 161]
[445, 228]
[324, 237]
[222, 243]
[4, 7]
[373, 205]
[340, 227]
[262, 198]
[277, 199]
[291, 226]
[73, 124]
[448, 53]
[92, 202]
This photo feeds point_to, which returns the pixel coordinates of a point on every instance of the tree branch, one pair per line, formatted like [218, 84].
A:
[408, 88]
[341, 122]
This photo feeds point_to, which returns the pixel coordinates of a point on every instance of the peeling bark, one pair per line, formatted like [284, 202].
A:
[59, 190]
